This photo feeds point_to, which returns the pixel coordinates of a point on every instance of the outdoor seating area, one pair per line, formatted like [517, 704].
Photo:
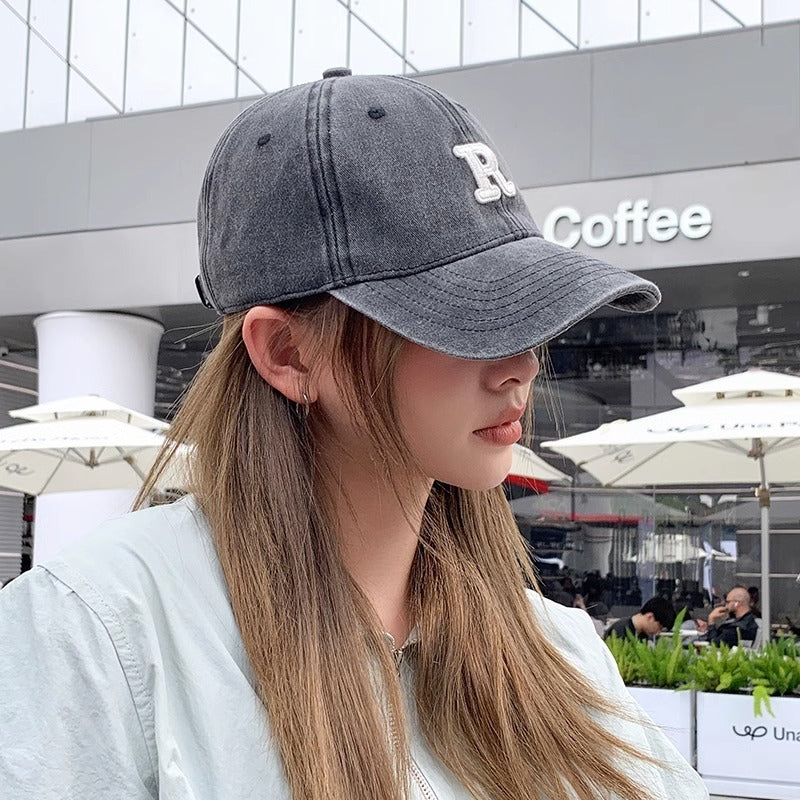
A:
[731, 712]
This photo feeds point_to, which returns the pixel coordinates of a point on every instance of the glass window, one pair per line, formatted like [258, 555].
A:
[748, 12]
[47, 86]
[13, 57]
[538, 37]
[247, 88]
[20, 6]
[713, 18]
[781, 10]
[50, 18]
[320, 39]
[155, 54]
[606, 22]
[663, 18]
[265, 42]
[210, 75]
[561, 14]
[217, 19]
[98, 34]
[385, 17]
[491, 30]
[85, 101]
[370, 54]
[433, 36]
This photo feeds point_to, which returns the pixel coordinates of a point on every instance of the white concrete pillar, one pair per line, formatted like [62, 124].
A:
[88, 352]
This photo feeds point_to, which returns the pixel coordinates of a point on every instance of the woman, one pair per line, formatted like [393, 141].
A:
[339, 607]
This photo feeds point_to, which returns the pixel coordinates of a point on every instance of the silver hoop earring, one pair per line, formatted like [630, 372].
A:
[304, 408]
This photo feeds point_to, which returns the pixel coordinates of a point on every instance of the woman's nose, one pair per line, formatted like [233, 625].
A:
[520, 369]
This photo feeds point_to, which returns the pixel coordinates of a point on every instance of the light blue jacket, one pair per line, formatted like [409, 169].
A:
[123, 677]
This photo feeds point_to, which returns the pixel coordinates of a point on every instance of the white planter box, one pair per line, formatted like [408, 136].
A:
[672, 712]
[743, 755]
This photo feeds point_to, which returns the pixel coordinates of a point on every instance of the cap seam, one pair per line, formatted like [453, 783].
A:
[315, 166]
[527, 273]
[477, 283]
[534, 305]
[400, 301]
[523, 279]
[343, 258]
[335, 263]
[493, 320]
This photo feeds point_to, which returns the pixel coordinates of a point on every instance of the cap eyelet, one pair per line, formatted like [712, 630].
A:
[376, 112]
[262, 140]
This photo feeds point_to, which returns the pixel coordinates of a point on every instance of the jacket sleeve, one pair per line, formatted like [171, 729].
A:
[728, 634]
[675, 776]
[672, 777]
[69, 727]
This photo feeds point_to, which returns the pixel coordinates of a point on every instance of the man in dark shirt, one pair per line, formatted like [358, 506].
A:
[655, 615]
[734, 620]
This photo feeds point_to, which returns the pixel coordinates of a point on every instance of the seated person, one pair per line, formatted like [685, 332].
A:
[654, 616]
[732, 621]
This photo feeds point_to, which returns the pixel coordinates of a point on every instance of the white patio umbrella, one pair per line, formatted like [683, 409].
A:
[526, 464]
[741, 429]
[88, 405]
[75, 454]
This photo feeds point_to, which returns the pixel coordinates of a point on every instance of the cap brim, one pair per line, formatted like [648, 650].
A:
[501, 301]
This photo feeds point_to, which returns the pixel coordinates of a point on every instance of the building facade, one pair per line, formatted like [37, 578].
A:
[676, 158]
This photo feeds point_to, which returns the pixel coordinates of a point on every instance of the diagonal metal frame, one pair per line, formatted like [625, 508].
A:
[732, 15]
[554, 28]
[46, 43]
[188, 23]
[346, 4]
[523, 5]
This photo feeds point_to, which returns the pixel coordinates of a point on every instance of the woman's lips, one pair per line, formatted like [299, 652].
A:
[506, 434]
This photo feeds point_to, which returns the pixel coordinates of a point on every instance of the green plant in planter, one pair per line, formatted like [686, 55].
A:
[775, 670]
[719, 668]
[664, 664]
[624, 654]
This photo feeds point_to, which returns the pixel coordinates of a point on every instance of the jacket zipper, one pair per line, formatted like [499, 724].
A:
[422, 782]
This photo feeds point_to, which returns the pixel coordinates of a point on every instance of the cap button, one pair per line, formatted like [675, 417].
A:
[337, 72]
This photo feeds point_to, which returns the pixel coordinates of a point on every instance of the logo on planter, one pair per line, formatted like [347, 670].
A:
[753, 733]
[760, 731]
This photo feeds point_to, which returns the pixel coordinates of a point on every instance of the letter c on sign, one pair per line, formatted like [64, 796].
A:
[551, 223]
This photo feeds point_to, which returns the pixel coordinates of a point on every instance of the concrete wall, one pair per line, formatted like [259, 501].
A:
[668, 106]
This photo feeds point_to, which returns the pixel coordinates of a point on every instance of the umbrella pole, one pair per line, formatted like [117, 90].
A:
[764, 501]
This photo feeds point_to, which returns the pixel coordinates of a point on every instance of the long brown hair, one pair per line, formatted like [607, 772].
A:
[496, 701]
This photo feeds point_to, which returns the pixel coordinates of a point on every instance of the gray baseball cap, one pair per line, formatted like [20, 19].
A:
[392, 198]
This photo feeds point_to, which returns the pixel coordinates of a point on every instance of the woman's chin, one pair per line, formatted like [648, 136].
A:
[480, 482]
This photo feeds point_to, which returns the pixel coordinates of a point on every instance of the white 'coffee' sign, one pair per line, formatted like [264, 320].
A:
[630, 223]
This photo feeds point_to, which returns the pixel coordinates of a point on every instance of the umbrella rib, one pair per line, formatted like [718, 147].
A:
[129, 460]
[777, 445]
[50, 478]
[75, 453]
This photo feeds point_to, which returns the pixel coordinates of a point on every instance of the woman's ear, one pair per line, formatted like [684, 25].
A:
[272, 336]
